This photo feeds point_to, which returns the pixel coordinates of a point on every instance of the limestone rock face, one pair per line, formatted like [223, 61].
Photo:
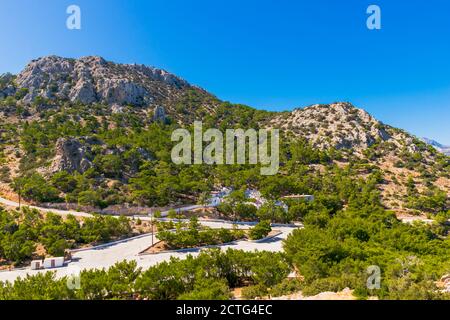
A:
[92, 79]
[8, 91]
[116, 108]
[159, 114]
[6, 87]
[71, 156]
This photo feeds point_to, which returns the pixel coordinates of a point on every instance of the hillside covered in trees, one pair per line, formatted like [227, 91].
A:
[102, 138]
[92, 133]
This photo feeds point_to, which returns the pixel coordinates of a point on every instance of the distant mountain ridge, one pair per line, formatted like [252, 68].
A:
[440, 147]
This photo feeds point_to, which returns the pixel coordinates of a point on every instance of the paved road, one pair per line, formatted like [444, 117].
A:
[80, 213]
[106, 257]
[56, 211]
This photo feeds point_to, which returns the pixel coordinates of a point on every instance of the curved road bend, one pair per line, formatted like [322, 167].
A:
[108, 256]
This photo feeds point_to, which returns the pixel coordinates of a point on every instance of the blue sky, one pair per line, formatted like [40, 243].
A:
[274, 55]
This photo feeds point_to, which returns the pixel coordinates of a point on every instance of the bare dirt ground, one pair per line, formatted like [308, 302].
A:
[6, 192]
[158, 247]
[345, 294]
[394, 191]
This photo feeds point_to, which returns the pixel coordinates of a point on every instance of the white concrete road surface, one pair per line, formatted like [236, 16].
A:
[14, 204]
[56, 211]
[108, 256]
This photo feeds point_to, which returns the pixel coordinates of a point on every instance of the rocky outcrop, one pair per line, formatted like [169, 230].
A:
[159, 114]
[77, 154]
[444, 283]
[6, 87]
[8, 91]
[92, 79]
[339, 125]
[116, 108]
[71, 156]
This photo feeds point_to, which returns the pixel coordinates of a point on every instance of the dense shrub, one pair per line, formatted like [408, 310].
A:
[334, 255]
[195, 235]
[261, 230]
[23, 230]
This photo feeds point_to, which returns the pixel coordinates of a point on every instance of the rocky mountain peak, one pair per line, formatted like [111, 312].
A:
[92, 79]
[166, 97]
[339, 125]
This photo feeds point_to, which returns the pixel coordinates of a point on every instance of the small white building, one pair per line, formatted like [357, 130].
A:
[36, 264]
[56, 262]
[217, 197]
[257, 200]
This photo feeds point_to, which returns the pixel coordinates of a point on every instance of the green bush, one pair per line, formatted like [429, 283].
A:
[253, 292]
[336, 255]
[261, 230]
[286, 287]
[195, 235]
[64, 181]
[35, 187]
[19, 239]
[209, 289]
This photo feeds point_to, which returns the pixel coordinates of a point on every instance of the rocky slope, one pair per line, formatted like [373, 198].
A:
[339, 125]
[157, 95]
[90, 80]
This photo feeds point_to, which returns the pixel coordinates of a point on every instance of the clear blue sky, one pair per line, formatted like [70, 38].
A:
[274, 55]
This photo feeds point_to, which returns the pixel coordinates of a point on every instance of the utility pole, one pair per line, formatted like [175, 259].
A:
[153, 228]
[20, 191]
